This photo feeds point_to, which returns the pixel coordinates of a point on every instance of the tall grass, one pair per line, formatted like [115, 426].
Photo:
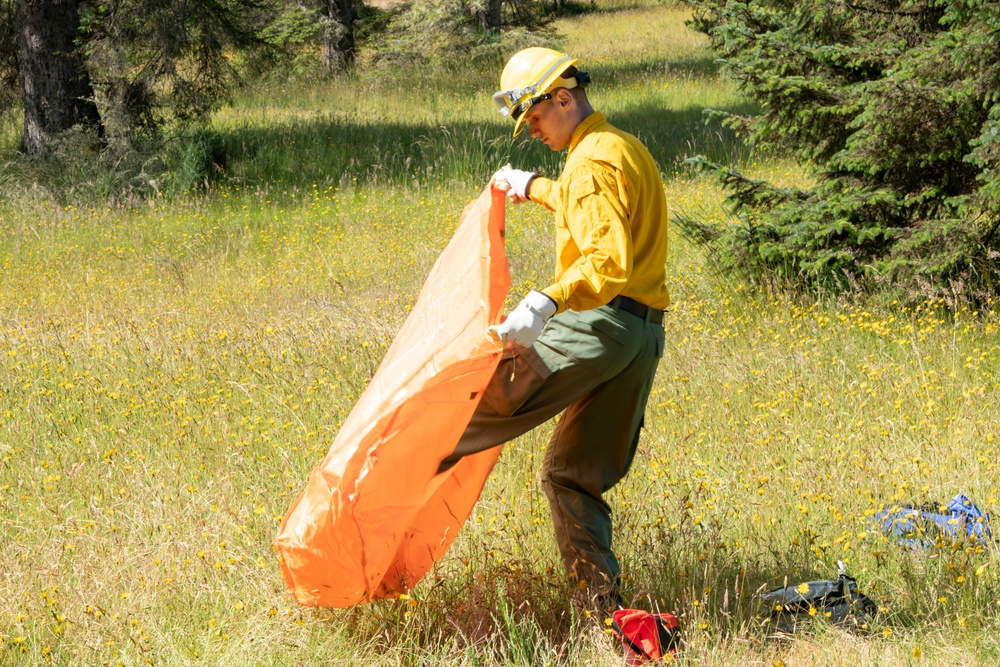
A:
[171, 369]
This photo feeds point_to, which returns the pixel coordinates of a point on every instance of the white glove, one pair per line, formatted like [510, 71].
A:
[514, 182]
[525, 322]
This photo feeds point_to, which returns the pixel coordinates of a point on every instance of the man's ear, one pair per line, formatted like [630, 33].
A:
[563, 98]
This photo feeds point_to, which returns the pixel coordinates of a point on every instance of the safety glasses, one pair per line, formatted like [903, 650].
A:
[513, 103]
[517, 111]
[508, 107]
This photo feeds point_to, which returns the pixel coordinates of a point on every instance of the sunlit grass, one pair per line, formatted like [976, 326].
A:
[172, 369]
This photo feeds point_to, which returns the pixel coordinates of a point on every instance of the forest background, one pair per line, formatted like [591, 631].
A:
[200, 272]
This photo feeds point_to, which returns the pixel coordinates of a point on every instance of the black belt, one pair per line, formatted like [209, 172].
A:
[654, 315]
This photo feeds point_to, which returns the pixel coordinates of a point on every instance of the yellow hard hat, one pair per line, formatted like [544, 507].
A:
[529, 77]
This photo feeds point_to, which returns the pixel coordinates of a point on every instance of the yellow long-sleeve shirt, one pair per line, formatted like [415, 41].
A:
[611, 220]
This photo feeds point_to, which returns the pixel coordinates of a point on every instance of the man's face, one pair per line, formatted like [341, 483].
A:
[548, 121]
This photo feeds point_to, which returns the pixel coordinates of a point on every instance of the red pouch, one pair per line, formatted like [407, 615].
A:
[645, 636]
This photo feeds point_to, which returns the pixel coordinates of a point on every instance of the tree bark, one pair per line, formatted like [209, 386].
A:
[57, 90]
[489, 20]
[338, 45]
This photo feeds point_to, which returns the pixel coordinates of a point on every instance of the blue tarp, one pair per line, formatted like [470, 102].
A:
[921, 526]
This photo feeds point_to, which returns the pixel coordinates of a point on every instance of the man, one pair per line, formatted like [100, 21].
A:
[590, 342]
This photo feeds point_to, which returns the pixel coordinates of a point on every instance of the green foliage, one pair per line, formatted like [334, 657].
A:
[193, 160]
[895, 105]
[371, 21]
[79, 168]
[152, 63]
[293, 32]
[449, 31]
[292, 25]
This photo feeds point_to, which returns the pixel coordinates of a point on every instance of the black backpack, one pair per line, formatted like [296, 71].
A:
[838, 601]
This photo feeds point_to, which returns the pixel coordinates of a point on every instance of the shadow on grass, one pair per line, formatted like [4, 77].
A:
[518, 613]
[672, 135]
[326, 151]
[703, 65]
[503, 610]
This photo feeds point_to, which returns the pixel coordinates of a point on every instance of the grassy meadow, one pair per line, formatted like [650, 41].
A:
[171, 369]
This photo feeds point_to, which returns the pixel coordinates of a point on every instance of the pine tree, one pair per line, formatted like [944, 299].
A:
[896, 105]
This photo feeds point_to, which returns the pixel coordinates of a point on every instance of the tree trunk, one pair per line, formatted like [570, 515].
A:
[489, 20]
[57, 90]
[338, 45]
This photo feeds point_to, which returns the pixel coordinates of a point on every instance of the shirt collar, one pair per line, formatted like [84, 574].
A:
[588, 124]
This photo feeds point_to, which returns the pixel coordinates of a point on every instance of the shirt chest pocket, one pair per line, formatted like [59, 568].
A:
[582, 187]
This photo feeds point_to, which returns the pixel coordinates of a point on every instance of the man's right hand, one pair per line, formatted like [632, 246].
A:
[526, 321]
[514, 182]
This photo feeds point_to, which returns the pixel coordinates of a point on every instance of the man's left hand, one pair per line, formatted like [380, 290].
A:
[514, 182]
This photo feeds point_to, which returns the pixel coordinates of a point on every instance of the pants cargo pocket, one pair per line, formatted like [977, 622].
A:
[519, 375]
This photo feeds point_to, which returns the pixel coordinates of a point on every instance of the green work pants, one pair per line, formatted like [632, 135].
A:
[598, 366]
